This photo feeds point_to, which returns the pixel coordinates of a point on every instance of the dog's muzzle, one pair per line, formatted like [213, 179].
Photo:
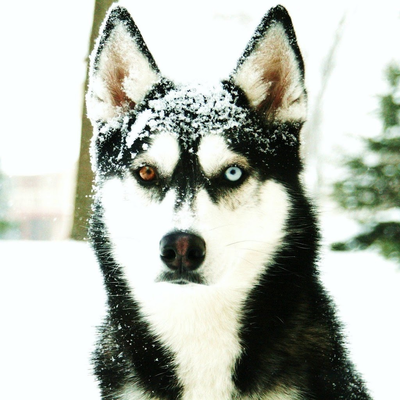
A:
[182, 252]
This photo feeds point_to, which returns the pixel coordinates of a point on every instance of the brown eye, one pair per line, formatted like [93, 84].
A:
[147, 173]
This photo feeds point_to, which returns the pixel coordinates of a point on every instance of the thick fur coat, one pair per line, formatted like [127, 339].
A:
[206, 239]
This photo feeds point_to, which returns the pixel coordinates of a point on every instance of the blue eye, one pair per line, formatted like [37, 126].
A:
[233, 174]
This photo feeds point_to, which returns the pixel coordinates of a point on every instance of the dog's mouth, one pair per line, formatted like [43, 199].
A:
[181, 277]
[180, 282]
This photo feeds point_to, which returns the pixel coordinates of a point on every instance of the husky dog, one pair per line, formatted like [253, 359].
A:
[206, 240]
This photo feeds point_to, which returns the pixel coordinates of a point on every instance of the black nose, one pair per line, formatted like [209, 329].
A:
[183, 251]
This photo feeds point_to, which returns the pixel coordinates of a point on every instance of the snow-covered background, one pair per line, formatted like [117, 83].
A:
[51, 292]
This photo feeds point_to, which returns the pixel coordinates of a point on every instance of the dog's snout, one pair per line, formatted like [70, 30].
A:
[183, 251]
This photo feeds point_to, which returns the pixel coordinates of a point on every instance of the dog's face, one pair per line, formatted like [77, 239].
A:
[193, 180]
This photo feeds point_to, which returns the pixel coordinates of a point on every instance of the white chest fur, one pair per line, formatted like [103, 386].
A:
[200, 325]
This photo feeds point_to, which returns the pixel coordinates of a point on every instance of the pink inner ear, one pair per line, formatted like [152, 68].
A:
[276, 63]
[114, 78]
[271, 78]
[276, 78]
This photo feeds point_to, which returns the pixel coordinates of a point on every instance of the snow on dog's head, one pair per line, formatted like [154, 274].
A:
[192, 180]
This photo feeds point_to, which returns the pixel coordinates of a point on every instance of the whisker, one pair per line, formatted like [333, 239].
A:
[248, 241]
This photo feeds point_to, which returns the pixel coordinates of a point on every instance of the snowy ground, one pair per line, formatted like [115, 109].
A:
[52, 298]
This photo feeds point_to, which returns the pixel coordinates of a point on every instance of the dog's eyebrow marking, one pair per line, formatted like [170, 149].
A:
[163, 152]
[214, 155]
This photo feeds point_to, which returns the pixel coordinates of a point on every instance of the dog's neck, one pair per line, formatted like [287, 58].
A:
[200, 324]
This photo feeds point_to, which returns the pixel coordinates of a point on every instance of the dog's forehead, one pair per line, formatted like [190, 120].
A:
[188, 112]
[196, 106]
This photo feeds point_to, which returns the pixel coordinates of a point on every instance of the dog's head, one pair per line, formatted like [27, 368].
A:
[194, 181]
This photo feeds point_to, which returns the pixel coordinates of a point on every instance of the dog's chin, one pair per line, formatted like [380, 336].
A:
[182, 278]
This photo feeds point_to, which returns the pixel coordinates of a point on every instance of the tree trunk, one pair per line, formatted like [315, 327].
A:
[83, 194]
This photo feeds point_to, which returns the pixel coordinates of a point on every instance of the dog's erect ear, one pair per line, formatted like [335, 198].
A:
[271, 70]
[122, 69]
